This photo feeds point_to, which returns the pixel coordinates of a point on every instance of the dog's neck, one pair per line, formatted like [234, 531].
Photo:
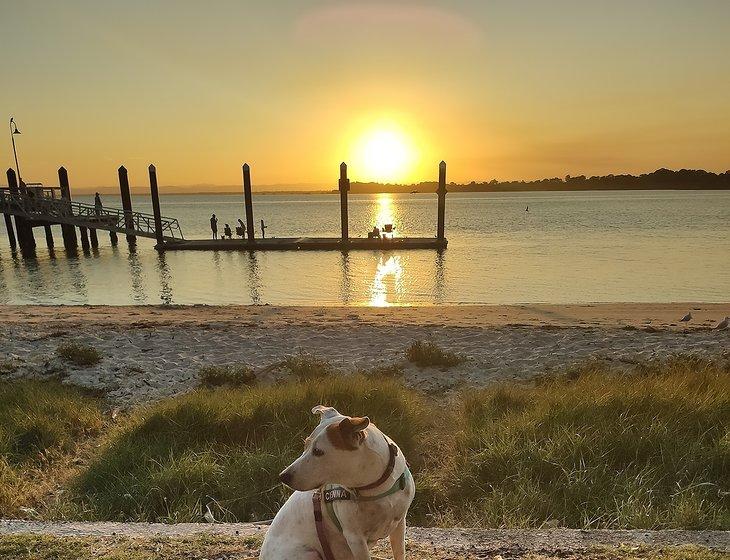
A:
[378, 461]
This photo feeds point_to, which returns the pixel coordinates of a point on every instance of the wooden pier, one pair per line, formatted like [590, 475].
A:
[306, 244]
[32, 206]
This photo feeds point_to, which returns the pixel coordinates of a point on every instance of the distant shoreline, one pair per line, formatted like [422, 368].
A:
[661, 179]
[355, 189]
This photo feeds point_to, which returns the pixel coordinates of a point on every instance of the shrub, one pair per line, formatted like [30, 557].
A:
[230, 445]
[234, 375]
[305, 366]
[425, 354]
[79, 354]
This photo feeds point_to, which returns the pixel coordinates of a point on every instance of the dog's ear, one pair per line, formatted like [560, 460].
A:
[351, 430]
[325, 411]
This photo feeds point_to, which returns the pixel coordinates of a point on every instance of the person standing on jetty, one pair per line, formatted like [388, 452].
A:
[97, 204]
[214, 226]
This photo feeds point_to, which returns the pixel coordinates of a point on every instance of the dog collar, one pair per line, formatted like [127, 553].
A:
[393, 449]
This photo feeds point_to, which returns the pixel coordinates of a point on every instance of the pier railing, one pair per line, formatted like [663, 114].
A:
[35, 205]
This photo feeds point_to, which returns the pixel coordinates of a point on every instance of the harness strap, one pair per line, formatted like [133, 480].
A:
[398, 485]
[319, 524]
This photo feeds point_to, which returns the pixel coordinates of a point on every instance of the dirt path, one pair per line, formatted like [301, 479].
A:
[424, 542]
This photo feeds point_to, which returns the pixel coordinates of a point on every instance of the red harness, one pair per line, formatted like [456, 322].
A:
[317, 502]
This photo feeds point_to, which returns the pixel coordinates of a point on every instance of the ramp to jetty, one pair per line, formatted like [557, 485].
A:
[41, 206]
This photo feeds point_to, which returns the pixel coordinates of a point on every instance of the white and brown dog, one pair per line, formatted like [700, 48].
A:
[353, 488]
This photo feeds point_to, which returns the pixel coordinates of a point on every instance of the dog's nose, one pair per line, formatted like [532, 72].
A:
[285, 477]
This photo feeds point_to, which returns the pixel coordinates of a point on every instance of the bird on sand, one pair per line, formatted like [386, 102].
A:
[687, 318]
[723, 324]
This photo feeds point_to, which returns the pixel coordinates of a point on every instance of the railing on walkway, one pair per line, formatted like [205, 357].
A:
[37, 204]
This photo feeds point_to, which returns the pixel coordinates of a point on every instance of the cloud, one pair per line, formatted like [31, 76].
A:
[428, 21]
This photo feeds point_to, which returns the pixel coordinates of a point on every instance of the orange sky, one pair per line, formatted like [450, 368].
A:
[498, 89]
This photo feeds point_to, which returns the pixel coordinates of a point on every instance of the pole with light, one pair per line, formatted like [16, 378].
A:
[13, 131]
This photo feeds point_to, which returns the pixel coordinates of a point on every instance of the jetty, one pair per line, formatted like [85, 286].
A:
[27, 206]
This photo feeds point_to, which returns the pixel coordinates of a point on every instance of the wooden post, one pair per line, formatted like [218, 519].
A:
[94, 238]
[156, 206]
[22, 226]
[113, 239]
[49, 235]
[84, 234]
[67, 231]
[344, 187]
[441, 201]
[126, 204]
[11, 230]
[248, 201]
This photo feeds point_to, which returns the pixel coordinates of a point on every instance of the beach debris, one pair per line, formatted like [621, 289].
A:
[687, 318]
[722, 325]
[208, 516]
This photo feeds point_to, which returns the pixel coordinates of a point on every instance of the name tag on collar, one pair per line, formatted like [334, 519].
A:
[335, 494]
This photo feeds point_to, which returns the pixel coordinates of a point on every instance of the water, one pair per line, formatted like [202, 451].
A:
[646, 246]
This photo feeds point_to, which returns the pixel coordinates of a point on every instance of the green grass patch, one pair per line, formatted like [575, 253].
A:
[79, 354]
[588, 447]
[600, 449]
[41, 424]
[233, 375]
[304, 366]
[228, 446]
[426, 353]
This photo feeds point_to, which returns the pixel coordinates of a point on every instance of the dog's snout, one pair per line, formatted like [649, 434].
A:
[285, 477]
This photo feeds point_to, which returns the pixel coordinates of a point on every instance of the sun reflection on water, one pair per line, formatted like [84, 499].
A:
[388, 280]
[384, 212]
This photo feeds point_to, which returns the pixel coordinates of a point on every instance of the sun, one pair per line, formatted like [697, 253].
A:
[383, 155]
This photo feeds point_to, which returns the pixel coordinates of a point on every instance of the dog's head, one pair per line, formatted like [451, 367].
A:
[335, 452]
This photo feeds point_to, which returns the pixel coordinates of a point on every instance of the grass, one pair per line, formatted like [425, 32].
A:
[426, 354]
[588, 447]
[227, 448]
[41, 427]
[304, 366]
[233, 375]
[595, 448]
[79, 354]
[40, 547]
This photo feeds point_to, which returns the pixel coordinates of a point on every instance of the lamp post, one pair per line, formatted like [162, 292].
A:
[13, 131]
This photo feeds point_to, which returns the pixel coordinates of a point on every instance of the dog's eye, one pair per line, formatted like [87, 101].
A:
[317, 452]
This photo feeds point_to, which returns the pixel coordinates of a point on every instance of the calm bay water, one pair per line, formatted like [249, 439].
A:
[647, 246]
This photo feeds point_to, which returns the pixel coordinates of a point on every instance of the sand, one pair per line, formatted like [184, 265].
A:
[156, 352]
[612, 315]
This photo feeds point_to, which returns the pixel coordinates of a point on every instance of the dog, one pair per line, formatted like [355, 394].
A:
[352, 488]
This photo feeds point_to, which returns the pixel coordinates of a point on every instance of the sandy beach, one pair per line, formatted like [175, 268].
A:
[156, 352]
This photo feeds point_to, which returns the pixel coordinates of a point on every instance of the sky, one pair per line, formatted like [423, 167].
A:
[499, 89]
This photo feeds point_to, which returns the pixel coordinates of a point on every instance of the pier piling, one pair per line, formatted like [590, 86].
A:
[68, 232]
[441, 201]
[49, 235]
[113, 239]
[344, 187]
[248, 201]
[94, 238]
[156, 206]
[126, 204]
[84, 234]
[11, 231]
[22, 227]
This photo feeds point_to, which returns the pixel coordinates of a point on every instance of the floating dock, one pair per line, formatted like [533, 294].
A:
[305, 244]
